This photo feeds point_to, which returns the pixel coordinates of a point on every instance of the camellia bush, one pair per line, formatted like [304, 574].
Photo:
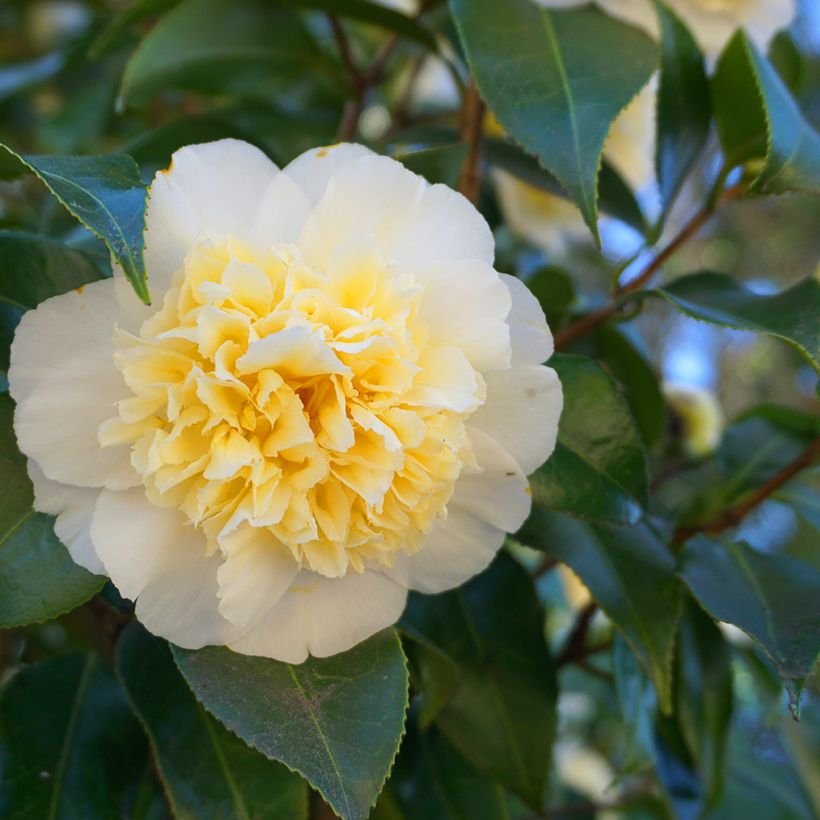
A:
[408, 409]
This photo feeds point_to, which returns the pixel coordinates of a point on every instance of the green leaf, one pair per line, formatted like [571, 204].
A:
[34, 268]
[758, 119]
[637, 702]
[719, 299]
[598, 469]
[434, 676]
[25, 76]
[551, 85]
[432, 781]
[684, 112]
[703, 703]
[439, 164]
[676, 770]
[337, 721]
[615, 196]
[104, 192]
[631, 574]
[70, 746]
[640, 383]
[774, 599]
[502, 715]
[246, 47]
[38, 579]
[135, 12]
[224, 777]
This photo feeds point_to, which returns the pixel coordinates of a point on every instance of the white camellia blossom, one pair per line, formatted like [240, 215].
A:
[334, 398]
[712, 22]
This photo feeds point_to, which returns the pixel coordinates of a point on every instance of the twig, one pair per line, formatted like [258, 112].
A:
[592, 320]
[574, 648]
[732, 516]
[472, 127]
[362, 80]
[544, 567]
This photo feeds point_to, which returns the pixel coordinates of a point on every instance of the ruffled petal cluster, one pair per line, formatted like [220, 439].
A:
[333, 398]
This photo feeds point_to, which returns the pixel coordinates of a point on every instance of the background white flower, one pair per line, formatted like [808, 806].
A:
[334, 398]
[712, 22]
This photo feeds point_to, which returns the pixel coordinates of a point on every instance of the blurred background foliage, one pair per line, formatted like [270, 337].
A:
[90, 78]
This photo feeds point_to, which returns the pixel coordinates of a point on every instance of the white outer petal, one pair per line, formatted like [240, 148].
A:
[323, 616]
[210, 190]
[458, 547]
[486, 504]
[312, 169]
[63, 378]
[74, 507]
[530, 336]
[465, 304]
[414, 224]
[254, 575]
[521, 412]
[155, 558]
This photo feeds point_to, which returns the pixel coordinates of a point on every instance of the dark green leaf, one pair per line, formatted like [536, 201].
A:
[631, 574]
[440, 164]
[598, 469]
[758, 119]
[224, 777]
[33, 268]
[615, 196]
[434, 676]
[703, 704]
[135, 12]
[337, 721]
[244, 47]
[105, 193]
[719, 299]
[551, 85]
[432, 781]
[637, 702]
[640, 384]
[502, 715]
[774, 599]
[676, 770]
[38, 579]
[70, 746]
[684, 112]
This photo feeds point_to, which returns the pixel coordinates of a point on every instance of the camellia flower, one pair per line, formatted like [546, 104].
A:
[551, 222]
[699, 415]
[334, 398]
[712, 22]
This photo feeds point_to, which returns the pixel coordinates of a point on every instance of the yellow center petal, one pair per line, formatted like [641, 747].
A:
[307, 404]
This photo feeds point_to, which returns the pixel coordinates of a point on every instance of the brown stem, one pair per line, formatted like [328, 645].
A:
[574, 648]
[547, 564]
[472, 127]
[592, 320]
[732, 516]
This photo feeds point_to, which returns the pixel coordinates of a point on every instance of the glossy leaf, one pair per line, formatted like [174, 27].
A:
[34, 268]
[224, 777]
[439, 164]
[637, 702]
[38, 579]
[631, 574]
[245, 47]
[432, 781]
[790, 315]
[703, 703]
[502, 715]
[337, 721]
[758, 119]
[774, 599]
[684, 112]
[104, 192]
[550, 84]
[434, 676]
[640, 384]
[70, 745]
[614, 196]
[598, 469]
